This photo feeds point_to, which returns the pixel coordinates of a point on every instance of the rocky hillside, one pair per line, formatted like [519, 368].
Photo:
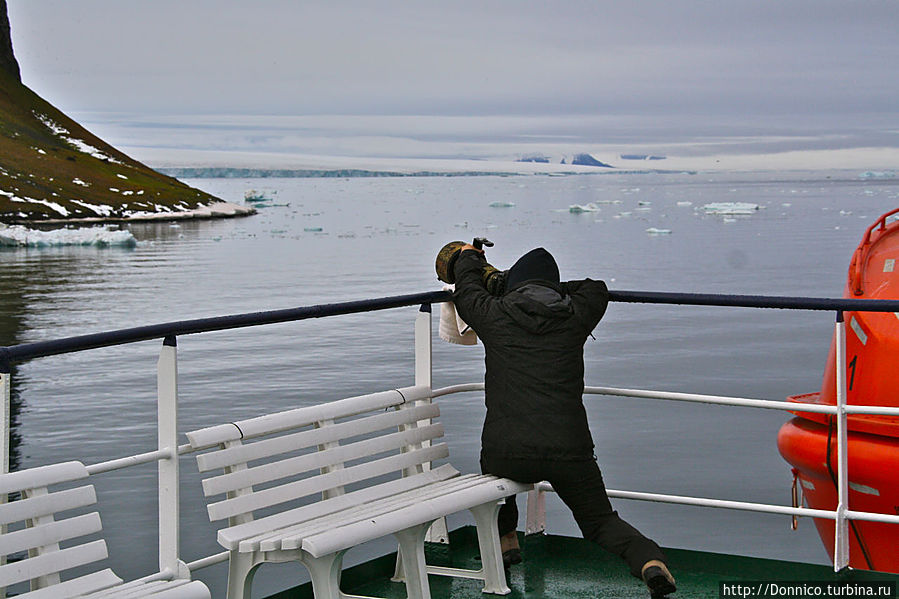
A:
[52, 168]
[7, 58]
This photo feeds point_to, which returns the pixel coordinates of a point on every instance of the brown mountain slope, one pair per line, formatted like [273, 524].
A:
[52, 168]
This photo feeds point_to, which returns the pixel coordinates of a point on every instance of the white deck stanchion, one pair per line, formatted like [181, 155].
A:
[167, 412]
[4, 431]
[841, 532]
[438, 532]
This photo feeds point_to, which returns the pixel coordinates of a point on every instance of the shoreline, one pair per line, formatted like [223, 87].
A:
[214, 210]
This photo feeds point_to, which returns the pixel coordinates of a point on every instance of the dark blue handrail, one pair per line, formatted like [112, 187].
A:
[25, 351]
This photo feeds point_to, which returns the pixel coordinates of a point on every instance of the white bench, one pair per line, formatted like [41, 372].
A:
[38, 542]
[308, 484]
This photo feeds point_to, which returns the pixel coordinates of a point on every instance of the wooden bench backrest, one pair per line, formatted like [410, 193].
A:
[34, 525]
[315, 451]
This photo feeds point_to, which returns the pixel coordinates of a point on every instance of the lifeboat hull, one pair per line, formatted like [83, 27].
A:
[808, 443]
[810, 448]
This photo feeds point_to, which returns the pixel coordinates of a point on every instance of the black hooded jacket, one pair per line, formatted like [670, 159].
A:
[534, 341]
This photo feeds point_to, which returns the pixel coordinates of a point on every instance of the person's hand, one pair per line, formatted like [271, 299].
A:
[468, 246]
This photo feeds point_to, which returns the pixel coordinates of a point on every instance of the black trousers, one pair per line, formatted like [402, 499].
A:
[580, 486]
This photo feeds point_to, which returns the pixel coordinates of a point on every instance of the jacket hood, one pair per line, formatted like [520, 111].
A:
[536, 265]
[537, 307]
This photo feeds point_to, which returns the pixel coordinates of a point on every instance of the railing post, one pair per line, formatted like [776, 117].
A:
[423, 376]
[167, 411]
[841, 525]
[5, 430]
[423, 370]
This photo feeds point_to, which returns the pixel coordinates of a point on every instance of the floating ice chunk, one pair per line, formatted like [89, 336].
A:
[685, 203]
[579, 208]
[251, 195]
[644, 203]
[19, 236]
[655, 231]
[730, 208]
[312, 229]
[502, 204]
[877, 175]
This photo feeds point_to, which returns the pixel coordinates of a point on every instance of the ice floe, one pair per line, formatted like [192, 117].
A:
[20, 236]
[655, 231]
[502, 204]
[579, 208]
[730, 208]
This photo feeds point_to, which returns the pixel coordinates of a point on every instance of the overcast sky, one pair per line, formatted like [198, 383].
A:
[666, 57]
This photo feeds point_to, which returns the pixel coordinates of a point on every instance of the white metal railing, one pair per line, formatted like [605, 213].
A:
[168, 450]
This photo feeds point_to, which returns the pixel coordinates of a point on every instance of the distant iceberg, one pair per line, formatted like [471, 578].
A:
[579, 208]
[877, 175]
[641, 157]
[19, 236]
[730, 208]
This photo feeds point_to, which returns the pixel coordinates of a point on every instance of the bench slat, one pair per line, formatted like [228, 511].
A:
[172, 590]
[42, 476]
[269, 497]
[43, 505]
[156, 589]
[273, 471]
[50, 563]
[50, 533]
[230, 537]
[359, 532]
[291, 537]
[311, 438]
[76, 587]
[273, 423]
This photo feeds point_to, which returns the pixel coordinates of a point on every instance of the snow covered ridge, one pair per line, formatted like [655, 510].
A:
[20, 236]
[76, 143]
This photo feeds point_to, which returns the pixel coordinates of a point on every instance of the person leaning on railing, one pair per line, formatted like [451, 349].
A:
[536, 429]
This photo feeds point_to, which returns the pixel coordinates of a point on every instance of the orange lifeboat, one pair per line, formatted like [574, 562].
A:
[808, 442]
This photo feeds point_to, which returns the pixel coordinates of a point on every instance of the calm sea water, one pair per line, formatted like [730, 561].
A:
[345, 239]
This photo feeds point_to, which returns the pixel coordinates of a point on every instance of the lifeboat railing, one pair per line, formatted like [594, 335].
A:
[168, 450]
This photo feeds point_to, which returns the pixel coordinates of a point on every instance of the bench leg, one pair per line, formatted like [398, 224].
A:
[241, 569]
[325, 574]
[491, 554]
[412, 556]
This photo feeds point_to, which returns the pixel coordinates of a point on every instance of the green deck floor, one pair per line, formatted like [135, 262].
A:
[567, 568]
